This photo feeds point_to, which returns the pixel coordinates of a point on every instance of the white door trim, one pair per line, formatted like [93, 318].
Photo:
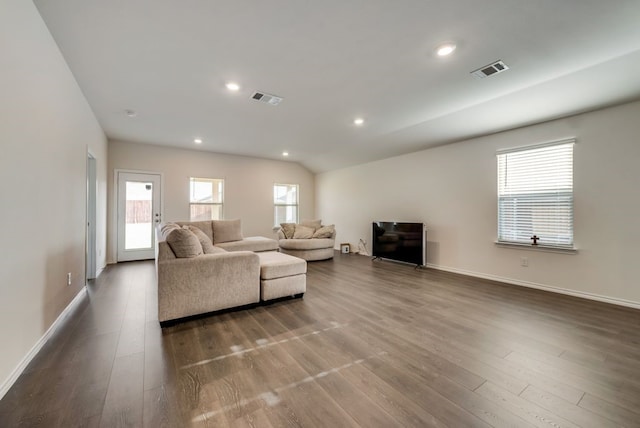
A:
[91, 243]
[115, 195]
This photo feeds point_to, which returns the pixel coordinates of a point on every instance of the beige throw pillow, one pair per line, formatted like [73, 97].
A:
[314, 224]
[226, 231]
[167, 228]
[288, 229]
[325, 231]
[204, 226]
[303, 232]
[184, 243]
[205, 242]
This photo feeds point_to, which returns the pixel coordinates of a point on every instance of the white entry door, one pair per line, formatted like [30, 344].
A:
[138, 214]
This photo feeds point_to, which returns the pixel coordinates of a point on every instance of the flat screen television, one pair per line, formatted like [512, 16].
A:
[403, 242]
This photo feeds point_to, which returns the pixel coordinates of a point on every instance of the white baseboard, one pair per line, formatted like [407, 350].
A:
[99, 270]
[581, 294]
[8, 383]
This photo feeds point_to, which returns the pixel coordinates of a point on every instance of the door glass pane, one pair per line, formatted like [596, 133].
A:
[138, 216]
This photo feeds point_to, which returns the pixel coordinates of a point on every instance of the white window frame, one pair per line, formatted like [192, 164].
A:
[535, 196]
[193, 202]
[277, 204]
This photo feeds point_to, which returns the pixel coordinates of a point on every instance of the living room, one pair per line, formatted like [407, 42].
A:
[49, 127]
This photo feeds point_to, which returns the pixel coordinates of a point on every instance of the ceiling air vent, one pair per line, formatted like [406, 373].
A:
[490, 70]
[273, 100]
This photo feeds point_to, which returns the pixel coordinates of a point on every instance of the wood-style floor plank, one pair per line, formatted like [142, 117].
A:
[525, 409]
[371, 344]
[566, 410]
[124, 402]
[610, 410]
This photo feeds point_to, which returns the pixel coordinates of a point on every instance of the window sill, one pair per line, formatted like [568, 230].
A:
[537, 248]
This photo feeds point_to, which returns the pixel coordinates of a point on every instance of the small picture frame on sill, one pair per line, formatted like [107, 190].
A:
[345, 248]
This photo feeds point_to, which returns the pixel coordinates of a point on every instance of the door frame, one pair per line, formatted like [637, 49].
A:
[91, 243]
[116, 173]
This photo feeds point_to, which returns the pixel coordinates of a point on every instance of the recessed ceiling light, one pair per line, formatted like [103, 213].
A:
[232, 86]
[358, 121]
[130, 113]
[446, 49]
[285, 153]
[198, 140]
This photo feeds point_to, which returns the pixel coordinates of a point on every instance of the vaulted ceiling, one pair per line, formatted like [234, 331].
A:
[335, 60]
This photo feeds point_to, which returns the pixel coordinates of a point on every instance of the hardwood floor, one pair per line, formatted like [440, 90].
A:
[372, 344]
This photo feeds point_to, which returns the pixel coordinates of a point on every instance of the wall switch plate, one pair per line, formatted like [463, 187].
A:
[69, 278]
[524, 262]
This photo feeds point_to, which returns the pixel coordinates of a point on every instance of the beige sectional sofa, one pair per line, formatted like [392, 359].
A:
[207, 266]
[308, 240]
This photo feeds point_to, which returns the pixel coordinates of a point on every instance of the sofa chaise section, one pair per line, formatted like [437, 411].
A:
[281, 275]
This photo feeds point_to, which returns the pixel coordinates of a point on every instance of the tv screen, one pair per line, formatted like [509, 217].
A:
[404, 242]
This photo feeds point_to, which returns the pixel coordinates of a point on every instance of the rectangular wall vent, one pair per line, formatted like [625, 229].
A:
[273, 100]
[490, 70]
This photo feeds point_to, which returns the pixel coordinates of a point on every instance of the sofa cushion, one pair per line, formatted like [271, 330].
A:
[311, 255]
[226, 231]
[217, 250]
[184, 243]
[314, 224]
[303, 232]
[207, 245]
[288, 229]
[306, 244]
[325, 232]
[278, 265]
[252, 243]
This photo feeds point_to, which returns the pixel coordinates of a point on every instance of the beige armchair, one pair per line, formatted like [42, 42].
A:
[308, 240]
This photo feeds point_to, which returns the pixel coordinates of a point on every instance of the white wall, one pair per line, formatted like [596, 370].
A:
[46, 127]
[248, 183]
[453, 190]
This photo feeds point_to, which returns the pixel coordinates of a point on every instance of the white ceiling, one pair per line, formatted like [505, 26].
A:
[333, 60]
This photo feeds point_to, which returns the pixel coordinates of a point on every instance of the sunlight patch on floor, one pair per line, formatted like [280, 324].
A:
[272, 398]
[239, 350]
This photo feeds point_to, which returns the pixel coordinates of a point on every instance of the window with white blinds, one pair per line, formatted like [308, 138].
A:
[285, 203]
[206, 198]
[535, 195]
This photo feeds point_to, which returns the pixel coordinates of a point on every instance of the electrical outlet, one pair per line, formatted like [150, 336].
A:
[69, 278]
[524, 262]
